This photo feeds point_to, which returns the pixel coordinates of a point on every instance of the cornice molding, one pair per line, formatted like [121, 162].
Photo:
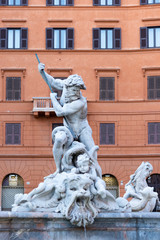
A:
[116, 69]
[13, 20]
[145, 69]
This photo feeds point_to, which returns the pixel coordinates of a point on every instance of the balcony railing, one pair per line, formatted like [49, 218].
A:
[42, 104]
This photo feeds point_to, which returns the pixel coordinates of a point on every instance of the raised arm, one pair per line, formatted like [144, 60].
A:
[68, 108]
[55, 83]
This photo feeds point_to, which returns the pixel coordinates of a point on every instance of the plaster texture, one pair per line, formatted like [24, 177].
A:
[48, 226]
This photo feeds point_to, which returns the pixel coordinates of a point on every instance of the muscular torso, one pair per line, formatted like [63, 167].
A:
[77, 120]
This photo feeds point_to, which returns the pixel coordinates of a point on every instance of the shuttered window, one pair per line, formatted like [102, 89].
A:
[153, 87]
[59, 38]
[150, 37]
[107, 89]
[14, 2]
[12, 38]
[107, 133]
[106, 2]
[154, 133]
[109, 38]
[13, 88]
[13, 133]
[59, 2]
[144, 2]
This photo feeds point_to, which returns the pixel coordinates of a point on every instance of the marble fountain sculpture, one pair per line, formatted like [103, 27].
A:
[143, 197]
[76, 188]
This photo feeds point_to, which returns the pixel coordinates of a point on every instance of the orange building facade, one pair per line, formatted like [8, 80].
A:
[116, 50]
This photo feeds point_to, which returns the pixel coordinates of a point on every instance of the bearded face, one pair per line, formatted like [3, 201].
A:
[72, 93]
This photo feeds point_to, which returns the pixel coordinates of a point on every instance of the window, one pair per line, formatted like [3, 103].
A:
[106, 2]
[60, 2]
[150, 37]
[59, 38]
[107, 133]
[13, 133]
[111, 184]
[12, 184]
[144, 2]
[14, 2]
[107, 38]
[154, 133]
[13, 88]
[107, 88]
[153, 87]
[154, 181]
[13, 38]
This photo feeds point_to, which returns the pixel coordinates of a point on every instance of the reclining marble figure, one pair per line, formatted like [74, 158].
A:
[76, 188]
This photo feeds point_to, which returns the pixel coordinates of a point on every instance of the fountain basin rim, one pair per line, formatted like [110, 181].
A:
[55, 216]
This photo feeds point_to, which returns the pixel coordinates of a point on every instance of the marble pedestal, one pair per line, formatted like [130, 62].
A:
[108, 226]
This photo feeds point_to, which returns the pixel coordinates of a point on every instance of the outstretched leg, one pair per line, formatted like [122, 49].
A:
[58, 148]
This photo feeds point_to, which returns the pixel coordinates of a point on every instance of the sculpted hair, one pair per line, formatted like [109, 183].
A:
[75, 80]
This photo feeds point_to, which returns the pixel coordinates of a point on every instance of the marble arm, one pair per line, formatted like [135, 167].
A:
[67, 109]
[55, 83]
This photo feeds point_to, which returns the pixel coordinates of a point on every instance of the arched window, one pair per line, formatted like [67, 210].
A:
[111, 184]
[154, 181]
[11, 185]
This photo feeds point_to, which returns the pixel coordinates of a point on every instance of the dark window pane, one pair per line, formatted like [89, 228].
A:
[9, 83]
[102, 95]
[3, 33]
[16, 128]
[49, 43]
[103, 83]
[158, 82]
[107, 133]
[9, 139]
[49, 33]
[158, 128]
[54, 125]
[17, 83]
[106, 88]
[9, 128]
[3, 2]
[150, 94]
[151, 139]
[24, 34]
[111, 141]
[111, 83]
[151, 82]
[111, 95]
[17, 96]
[152, 128]
[13, 88]
[13, 133]
[96, 34]
[153, 87]
[143, 33]
[154, 133]
[49, 2]
[158, 94]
